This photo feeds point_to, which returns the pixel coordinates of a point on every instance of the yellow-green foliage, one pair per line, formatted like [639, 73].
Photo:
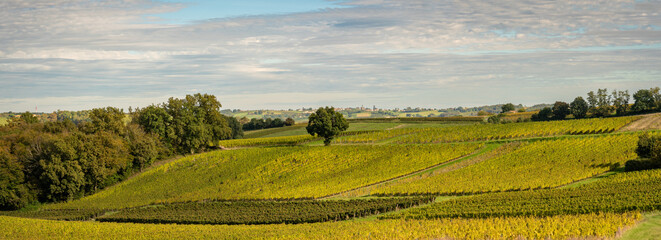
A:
[517, 130]
[478, 132]
[278, 172]
[558, 227]
[249, 142]
[540, 164]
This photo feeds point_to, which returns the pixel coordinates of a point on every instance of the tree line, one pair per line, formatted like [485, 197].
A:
[603, 104]
[63, 160]
[255, 124]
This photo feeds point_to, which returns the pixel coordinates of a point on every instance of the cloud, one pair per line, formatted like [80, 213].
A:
[386, 52]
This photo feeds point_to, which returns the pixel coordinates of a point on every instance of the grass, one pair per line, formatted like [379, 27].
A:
[3, 121]
[649, 228]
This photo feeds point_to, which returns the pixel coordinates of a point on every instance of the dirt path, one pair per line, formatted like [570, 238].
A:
[648, 122]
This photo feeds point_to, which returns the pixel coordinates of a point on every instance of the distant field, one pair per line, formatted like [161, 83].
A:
[264, 173]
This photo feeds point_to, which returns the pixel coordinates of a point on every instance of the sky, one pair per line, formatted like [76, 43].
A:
[264, 54]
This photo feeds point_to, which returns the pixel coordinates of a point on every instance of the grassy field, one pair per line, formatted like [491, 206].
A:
[648, 229]
[3, 121]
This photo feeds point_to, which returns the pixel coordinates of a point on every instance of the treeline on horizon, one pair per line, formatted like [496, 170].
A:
[62, 160]
[599, 104]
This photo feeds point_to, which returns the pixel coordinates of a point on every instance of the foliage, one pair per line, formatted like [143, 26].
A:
[262, 212]
[621, 101]
[255, 123]
[649, 149]
[60, 214]
[560, 110]
[326, 123]
[539, 164]
[619, 193]
[543, 115]
[645, 100]
[270, 173]
[482, 132]
[507, 107]
[251, 142]
[57, 161]
[186, 125]
[605, 225]
[289, 122]
[28, 118]
[579, 108]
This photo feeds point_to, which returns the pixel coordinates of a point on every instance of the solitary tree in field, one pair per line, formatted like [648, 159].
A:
[326, 123]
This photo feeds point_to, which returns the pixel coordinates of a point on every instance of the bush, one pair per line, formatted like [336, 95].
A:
[637, 165]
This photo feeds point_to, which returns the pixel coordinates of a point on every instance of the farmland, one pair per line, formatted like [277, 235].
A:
[382, 180]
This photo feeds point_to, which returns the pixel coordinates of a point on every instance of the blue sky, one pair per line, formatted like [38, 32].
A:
[82, 54]
[202, 10]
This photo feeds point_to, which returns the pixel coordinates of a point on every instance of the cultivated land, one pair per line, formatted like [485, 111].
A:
[383, 180]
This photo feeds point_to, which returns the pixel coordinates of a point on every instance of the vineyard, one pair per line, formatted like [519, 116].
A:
[606, 225]
[251, 142]
[262, 212]
[270, 173]
[635, 191]
[480, 132]
[535, 165]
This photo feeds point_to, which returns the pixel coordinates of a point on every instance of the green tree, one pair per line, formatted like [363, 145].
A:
[543, 115]
[507, 107]
[621, 101]
[14, 194]
[29, 118]
[107, 119]
[643, 100]
[579, 108]
[560, 110]
[326, 123]
[289, 122]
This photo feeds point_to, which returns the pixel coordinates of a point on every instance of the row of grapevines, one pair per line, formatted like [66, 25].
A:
[267, 173]
[60, 214]
[605, 225]
[539, 164]
[262, 212]
[518, 130]
[251, 142]
[619, 193]
[478, 132]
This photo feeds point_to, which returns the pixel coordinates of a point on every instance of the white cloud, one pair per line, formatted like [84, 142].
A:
[438, 50]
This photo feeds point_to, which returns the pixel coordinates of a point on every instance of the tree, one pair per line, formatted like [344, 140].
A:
[579, 108]
[235, 125]
[543, 115]
[28, 118]
[560, 110]
[107, 119]
[643, 100]
[289, 122]
[621, 101]
[507, 107]
[326, 123]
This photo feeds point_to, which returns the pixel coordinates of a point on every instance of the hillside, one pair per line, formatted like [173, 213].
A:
[448, 170]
